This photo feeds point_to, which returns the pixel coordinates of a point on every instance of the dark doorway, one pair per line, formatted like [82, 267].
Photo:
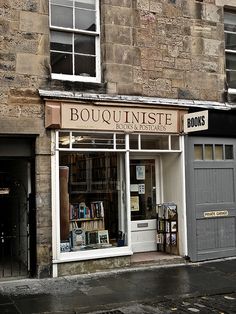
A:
[17, 217]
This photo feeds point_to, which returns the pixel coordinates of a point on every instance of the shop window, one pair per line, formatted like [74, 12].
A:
[230, 47]
[74, 40]
[91, 200]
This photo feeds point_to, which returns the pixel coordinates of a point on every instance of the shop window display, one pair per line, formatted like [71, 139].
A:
[91, 200]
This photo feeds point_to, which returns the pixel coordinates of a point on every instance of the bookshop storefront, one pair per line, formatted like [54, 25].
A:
[112, 166]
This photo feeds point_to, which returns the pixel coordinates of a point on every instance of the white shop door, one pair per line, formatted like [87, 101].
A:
[144, 193]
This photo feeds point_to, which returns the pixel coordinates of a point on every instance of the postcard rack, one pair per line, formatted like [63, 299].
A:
[167, 228]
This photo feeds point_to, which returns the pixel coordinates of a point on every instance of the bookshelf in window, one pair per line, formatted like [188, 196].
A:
[88, 218]
[91, 174]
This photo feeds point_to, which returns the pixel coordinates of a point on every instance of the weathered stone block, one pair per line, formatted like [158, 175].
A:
[34, 22]
[118, 16]
[111, 88]
[212, 13]
[118, 34]
[173, 74]
[155, 6]
[183, 64]
[32, 64]
[143, 4]
[92, 266]
[43, 45]
[119, 73]
[123, 54]
[119, 3]
[200, 80]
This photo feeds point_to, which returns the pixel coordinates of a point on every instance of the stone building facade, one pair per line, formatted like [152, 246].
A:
[163, 53]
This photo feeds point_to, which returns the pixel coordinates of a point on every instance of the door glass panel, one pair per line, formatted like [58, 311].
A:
[198, 152]
[219, 152]
[229, 153]
[142, 189]
[208, 152]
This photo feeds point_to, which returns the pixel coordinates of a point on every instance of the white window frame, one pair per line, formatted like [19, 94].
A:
[227, 51]
[96, 34]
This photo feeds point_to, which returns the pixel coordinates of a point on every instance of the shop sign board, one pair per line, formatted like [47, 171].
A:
[216, 213]
[114, 118]
[197, 121]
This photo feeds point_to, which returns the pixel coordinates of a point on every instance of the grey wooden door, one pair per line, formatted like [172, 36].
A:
[211, 205]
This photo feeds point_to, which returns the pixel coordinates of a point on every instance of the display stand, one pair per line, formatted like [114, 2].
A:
[167, 228]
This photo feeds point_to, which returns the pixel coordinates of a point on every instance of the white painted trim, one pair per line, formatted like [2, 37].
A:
[54, 270]
[158, 180]
[185, 242]
[127, 182]
[93, 254]
[232, 91]
[54, 198]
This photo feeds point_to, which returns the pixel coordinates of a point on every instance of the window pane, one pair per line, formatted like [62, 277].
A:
[133, 141]
[143, 174]
[219, 153]
[85, 44]
[174, 142]
[61, 63]
[120, 141]
[92, 140]
[61, 41]
[154, 142]
[67, 3]
[230, 21]
[85, 66]
[85, 20]
[229, 153]
[64, 139]
[231, 61]
[85, 4]
[208, 152]
[198, 152]
[62, 16]
[231, 78]
[230, 41]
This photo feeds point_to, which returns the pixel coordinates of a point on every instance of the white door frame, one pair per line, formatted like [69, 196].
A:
[143, 232]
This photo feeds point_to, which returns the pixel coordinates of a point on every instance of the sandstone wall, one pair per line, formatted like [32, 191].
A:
[164, 48]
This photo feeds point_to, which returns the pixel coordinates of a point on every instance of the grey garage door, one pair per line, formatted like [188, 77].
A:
[211, 205]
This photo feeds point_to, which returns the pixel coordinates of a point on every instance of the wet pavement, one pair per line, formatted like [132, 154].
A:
[188, 288]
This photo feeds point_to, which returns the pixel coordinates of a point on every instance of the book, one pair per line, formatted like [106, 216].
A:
[103, 237]
[91, 237]
[77, 238]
